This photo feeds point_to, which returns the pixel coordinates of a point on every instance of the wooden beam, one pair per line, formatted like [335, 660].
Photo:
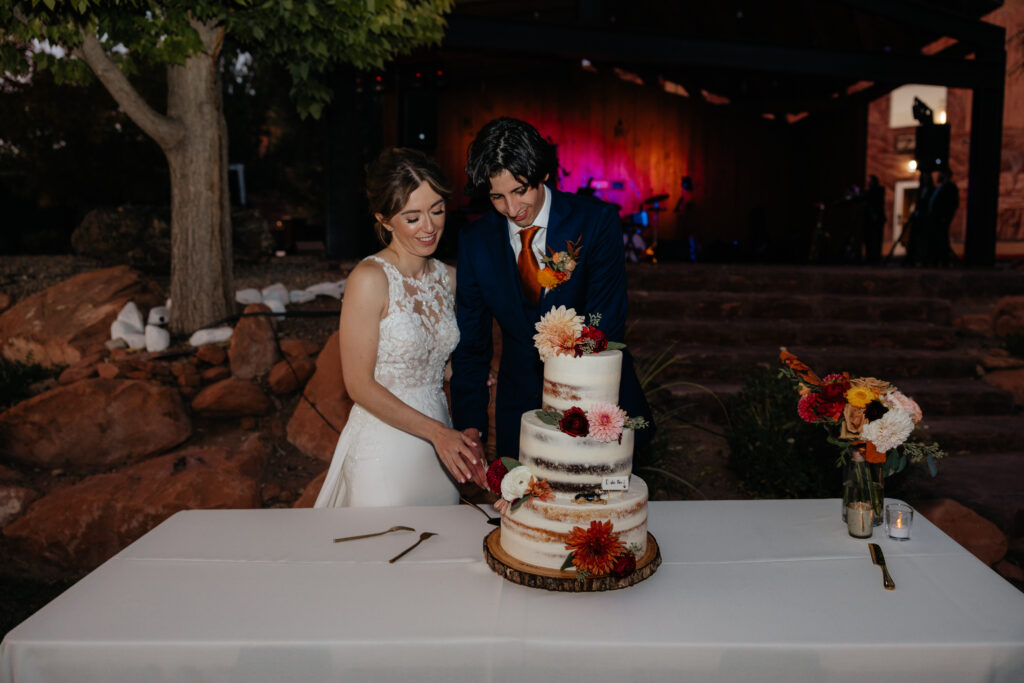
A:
[983, 183]
[603, 45]
[933, 20]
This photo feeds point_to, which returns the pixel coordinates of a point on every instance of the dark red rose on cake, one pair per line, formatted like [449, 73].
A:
[594, 339]
[625, 564]
[574, 422]
[495, 473]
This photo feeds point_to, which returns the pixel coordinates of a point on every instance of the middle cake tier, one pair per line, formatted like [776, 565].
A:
[572, 464]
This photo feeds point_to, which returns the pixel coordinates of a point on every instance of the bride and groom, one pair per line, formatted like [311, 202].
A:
[405, 314]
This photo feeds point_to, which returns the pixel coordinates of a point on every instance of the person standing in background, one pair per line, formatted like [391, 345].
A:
[874, 221]
[942, 207]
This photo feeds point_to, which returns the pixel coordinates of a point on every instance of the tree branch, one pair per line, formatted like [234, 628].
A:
[164, 130]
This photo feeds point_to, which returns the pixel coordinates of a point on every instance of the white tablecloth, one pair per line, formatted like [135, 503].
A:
[748, 591]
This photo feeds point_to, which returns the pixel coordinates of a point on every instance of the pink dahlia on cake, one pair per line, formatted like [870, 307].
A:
[605, 421]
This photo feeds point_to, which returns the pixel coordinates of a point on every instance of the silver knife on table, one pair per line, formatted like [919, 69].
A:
[878, 558]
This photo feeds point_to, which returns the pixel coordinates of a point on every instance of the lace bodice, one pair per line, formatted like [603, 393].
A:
[418, 333]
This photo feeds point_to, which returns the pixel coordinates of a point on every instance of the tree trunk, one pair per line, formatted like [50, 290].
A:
[202, 288]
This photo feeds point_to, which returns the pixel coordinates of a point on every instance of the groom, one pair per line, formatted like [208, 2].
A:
[499, 257]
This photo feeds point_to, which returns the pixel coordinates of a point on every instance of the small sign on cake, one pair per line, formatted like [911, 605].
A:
[615, 484]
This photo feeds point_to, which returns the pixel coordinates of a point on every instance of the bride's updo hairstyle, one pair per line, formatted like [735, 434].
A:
[393, 177]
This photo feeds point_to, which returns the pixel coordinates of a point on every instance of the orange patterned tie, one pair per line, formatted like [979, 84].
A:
[528, 266]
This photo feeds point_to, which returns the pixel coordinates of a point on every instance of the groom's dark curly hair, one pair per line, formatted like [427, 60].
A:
[508, 144]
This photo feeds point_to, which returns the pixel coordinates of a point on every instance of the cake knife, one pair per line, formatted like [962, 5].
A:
[878, 558]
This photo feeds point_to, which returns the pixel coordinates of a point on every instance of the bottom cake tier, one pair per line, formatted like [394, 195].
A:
[536, 532]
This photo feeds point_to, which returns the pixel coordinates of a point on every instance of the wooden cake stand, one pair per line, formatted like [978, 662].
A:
[557, 580]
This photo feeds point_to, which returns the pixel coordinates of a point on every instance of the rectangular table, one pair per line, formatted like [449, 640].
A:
[748, 591]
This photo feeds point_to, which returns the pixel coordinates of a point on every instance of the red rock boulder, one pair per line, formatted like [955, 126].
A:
[312, 490]
[13, 501]
[979, 536]
[1008, 316]
[253, 348]
[311, 433]
[94, 423]
[66, 322]
[288, 376]
[83, 369]
[232, 397]
[74, 529]
[212, 354]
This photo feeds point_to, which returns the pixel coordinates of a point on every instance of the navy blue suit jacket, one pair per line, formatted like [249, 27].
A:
[488, 287]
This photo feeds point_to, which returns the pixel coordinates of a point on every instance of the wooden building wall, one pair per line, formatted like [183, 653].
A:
[755, 180]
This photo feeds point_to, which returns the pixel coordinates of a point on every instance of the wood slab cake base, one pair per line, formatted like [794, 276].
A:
[556, 580]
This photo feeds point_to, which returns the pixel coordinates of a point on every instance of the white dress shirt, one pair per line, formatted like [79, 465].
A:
[540, 237]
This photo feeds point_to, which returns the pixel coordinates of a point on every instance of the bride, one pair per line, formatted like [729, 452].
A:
[397, 331]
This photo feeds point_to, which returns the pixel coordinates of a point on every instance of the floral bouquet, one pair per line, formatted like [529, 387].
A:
[596, 551]
[870, 421]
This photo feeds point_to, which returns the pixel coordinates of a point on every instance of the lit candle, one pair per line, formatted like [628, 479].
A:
[859, 520]
[899, 518]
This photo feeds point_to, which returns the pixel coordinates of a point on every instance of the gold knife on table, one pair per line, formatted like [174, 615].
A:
[878, 558]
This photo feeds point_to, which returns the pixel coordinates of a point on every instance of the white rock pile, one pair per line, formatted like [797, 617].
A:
[128, 330]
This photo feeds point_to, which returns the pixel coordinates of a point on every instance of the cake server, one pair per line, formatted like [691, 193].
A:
[495, 521]
[878, 558]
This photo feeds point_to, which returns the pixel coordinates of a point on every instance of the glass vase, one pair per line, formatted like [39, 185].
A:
[863, 483]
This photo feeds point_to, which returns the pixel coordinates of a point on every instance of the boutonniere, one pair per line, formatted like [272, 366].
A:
[559, 264]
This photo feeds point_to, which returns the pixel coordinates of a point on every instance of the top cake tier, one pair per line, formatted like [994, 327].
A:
[570, 381]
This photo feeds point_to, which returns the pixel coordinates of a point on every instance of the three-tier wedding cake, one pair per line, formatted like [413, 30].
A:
[575, 503]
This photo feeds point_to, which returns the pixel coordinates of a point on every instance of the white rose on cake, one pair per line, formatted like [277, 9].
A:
[515, 483]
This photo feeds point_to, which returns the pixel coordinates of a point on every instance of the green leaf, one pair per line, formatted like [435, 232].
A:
[509, 463]
[516, 505]
[551, 417]
[615, 346]
[568, 561]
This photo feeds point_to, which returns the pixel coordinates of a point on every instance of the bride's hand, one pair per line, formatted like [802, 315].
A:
[458, 453]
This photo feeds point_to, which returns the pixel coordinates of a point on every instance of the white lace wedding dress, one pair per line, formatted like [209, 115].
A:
[374, 464]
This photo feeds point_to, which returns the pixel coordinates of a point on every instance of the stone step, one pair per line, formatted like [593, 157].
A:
[826, 280]
[704, 363]
[937, 397]
[964, 435]
[988, 483]
[743, 332]
[733, 306]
